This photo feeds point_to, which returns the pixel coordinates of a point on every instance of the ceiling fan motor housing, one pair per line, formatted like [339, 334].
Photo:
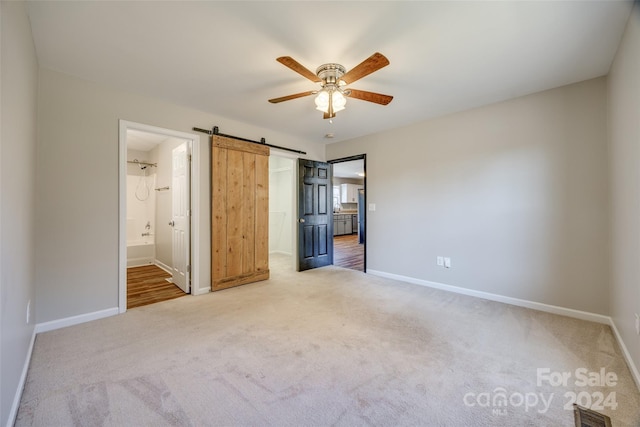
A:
[330, 74]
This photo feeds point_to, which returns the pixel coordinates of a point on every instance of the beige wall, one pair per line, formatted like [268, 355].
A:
[624, 120]
[19, 83]
[282, 182]
[77, 182]
[515, 193]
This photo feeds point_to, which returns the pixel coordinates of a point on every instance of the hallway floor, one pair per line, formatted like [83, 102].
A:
[347, 252]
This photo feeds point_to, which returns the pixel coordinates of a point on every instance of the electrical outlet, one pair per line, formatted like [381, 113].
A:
[440, 261]
[447, 263]
[637, 324]
[28, 311]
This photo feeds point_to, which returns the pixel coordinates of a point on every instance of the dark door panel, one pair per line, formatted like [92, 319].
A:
[315, 216]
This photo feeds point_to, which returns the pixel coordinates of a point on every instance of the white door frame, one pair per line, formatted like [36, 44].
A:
[194, 142]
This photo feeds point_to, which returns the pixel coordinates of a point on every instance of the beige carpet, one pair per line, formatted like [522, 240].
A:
[325, 347]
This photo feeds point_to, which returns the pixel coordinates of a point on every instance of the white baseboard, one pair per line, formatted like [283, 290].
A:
[139, 262]
[23, 378]
[280, 252]
[194, 290]
[200, 291]
[584, 315]
[627, 356]
[163, 266]
[75, 320]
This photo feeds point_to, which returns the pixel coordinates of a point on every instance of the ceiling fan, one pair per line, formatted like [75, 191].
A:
[332, 78]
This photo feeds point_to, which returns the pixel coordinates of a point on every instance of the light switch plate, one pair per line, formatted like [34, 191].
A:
[447, 263]
[372, 207]
[440, 261]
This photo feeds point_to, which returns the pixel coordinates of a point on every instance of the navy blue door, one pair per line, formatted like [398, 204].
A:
[315, 215]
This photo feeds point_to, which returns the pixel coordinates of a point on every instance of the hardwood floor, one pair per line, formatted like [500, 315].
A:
[347, 252]
[148, 284]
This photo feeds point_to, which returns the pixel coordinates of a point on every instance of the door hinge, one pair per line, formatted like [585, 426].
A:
[188, 212]
[188, 269]
[189, 157]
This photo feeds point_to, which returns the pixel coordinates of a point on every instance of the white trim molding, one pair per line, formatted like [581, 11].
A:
[46, 327]
[75, 320]
[23, 379]
[554, 309]
[627, 356]
[163, 266]
[584, 315]
[281, 253]
[194, 149]
[197, 245]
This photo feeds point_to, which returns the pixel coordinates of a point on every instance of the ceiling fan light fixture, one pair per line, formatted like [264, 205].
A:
[326, 96]
[339, 101]
[322, 101]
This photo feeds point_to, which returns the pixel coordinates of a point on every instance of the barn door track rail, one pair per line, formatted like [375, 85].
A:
[215, 131]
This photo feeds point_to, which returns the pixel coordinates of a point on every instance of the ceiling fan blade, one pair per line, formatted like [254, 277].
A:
[288, 61]
[366, 67]
[378, 98]
[289, 97]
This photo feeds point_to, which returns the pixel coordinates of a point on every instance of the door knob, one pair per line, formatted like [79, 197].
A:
[172, 223]
[301, 220]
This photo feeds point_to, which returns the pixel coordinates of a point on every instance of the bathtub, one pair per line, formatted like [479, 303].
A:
[141, 252]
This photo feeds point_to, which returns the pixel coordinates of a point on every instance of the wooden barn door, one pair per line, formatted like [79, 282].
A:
[239, 212]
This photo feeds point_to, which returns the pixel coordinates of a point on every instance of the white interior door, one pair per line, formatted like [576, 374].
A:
[180, 219]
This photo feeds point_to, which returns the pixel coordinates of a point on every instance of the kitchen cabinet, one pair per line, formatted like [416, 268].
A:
[347, 224]
[342, 224]
[349, 193]
[338, 226]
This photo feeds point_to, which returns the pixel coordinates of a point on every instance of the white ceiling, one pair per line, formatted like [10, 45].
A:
[352, 169]
[144, 141]
[219, 56]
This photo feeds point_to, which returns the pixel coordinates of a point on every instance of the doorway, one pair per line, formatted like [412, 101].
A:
[158, 214]
[282, 212]
[349, 217]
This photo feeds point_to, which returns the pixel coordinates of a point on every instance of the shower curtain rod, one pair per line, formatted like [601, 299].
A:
[136, 162]
[215, 131]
